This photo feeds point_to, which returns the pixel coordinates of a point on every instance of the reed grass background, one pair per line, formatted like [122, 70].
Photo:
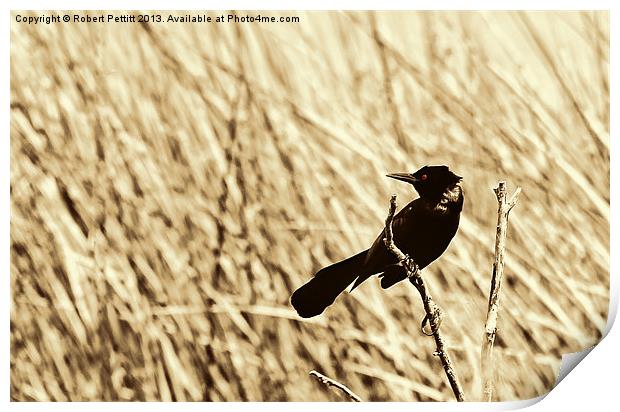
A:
[172, 184]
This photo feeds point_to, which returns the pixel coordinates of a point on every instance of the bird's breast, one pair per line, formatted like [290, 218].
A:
[451, 201]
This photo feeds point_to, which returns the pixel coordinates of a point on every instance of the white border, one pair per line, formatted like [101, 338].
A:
[590, 385]
[313, 5]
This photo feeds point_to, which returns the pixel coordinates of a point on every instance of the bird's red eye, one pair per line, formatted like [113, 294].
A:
[423, 177]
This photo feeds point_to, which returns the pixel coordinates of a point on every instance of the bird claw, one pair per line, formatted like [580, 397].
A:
[412, 268]
[433, 320]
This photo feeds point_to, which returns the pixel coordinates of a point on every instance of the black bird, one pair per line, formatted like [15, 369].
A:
[422, 230]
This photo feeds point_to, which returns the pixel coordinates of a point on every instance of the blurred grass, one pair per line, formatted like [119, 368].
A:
[171, 185]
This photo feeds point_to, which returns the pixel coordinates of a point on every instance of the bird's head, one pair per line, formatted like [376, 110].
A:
[429, 181]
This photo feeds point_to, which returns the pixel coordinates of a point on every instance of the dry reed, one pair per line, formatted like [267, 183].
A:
[171, 185]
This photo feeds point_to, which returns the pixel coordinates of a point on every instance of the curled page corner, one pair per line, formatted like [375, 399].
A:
[569, 361]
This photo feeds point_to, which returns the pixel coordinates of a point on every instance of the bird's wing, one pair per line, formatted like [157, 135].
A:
[405, 223]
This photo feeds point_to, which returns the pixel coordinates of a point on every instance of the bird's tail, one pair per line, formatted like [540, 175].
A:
[312, 298]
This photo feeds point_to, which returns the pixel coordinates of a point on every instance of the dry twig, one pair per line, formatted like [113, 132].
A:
[433, 313]
[504, 208]
[330, 382]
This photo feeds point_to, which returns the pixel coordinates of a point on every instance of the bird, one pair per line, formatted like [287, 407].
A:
[422, 230]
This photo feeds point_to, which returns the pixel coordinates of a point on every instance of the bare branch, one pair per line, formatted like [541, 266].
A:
[330, 382]
[504, 208]
[389, 235]
[433, 312]
[514, 198]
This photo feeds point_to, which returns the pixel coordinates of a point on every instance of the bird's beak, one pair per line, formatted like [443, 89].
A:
[405, 177]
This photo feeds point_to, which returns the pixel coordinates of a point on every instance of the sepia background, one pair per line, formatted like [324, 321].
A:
[172, 184]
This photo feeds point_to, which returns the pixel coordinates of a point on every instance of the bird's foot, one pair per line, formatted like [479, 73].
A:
[413, 271]
[433, 320]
